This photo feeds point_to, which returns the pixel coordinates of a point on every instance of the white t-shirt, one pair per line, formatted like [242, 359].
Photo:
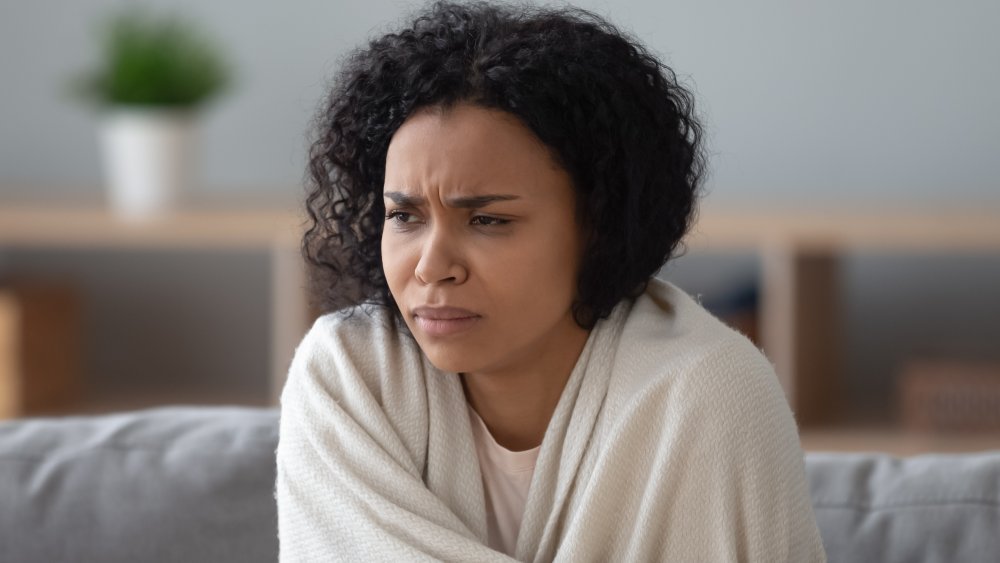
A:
[506, 478]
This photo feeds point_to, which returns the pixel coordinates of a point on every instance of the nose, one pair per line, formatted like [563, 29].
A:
[440, 260]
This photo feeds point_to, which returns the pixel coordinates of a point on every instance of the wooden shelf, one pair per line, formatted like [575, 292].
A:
[95, 227]
[894, 441]
[275, 232]
[872, 429]
[150, 398]
[800, 299]
[800, 251]
[847, 230]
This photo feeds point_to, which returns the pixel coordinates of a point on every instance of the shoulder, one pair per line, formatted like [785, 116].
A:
[699, 412]
[667, 333]
[353, 323]
[362, 345]
[685, 381]
[361, 326]
[674, 349]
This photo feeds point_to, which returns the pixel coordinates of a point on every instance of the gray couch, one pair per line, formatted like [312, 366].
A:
[196, 484]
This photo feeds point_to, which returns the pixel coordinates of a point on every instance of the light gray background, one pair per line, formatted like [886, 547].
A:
[853, 104]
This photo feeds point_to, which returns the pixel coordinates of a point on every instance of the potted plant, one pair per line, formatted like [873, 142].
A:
[156, 74]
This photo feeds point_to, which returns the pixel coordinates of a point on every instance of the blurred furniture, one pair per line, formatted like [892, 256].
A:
[197, 484]
[799, 294]
[950, 396]
[166, 485]
[40, 348]
[800, 300]
[274, 232]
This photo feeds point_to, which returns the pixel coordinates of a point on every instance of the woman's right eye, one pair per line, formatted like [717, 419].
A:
[398, 216]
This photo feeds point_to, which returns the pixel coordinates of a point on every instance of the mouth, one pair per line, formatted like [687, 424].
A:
[444, 321]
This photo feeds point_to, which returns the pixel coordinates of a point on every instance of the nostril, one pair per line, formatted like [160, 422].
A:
[439, 263]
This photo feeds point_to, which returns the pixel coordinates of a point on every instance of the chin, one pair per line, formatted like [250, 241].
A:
[448, 364]
[448, 361]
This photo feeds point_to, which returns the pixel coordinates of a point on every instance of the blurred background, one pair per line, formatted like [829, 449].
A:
[874, 123]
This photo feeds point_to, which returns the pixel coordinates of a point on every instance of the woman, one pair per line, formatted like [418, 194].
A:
[498, 187]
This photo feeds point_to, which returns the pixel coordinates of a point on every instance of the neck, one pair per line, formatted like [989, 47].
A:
[516, 403]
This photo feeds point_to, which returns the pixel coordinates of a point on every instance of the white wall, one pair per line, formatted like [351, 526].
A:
[851, 103]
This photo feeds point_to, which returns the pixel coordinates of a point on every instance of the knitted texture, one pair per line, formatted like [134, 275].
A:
[672, 441]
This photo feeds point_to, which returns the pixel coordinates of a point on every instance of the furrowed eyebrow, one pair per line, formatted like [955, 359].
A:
[475, 202]
[404, 200]
[469, 202]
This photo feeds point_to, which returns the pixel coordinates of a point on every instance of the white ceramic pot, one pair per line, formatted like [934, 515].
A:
[148, 159]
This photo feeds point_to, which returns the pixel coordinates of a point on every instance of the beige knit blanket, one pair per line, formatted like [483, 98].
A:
[672, 441]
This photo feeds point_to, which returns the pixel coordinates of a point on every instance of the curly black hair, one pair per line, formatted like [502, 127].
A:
[613, 116]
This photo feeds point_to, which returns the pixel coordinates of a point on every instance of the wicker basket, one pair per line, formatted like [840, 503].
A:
[950, 396]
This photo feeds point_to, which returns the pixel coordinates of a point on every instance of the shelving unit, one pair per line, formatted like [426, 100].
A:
[274, 232]
[800, 303]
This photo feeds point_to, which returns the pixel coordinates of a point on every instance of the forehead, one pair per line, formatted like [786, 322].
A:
[466, 148]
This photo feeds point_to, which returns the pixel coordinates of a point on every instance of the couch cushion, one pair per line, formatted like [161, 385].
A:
[930, 508]
[182, 484]
[196, 484]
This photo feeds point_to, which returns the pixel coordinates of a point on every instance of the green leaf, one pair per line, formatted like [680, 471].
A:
[154, 61]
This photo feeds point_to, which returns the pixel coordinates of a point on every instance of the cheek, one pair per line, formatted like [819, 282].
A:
[537, 273]
[562, 252]
[394, 261]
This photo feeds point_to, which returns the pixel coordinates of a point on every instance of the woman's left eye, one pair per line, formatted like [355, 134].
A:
[486, 220]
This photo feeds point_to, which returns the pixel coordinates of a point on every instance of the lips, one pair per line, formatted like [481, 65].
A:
[444, 321]
[443, 313]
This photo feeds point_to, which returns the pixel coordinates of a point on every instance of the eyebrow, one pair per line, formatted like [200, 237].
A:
[468, 202]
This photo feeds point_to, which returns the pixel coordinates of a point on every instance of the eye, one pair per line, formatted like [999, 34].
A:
[487, 221]
[399, 217]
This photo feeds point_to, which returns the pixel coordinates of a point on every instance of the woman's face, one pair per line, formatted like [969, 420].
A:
[480, 245]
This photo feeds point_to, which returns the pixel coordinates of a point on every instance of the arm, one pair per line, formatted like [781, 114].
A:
[349, 481]
[701, 463]
[739, 459]
[735, 475]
